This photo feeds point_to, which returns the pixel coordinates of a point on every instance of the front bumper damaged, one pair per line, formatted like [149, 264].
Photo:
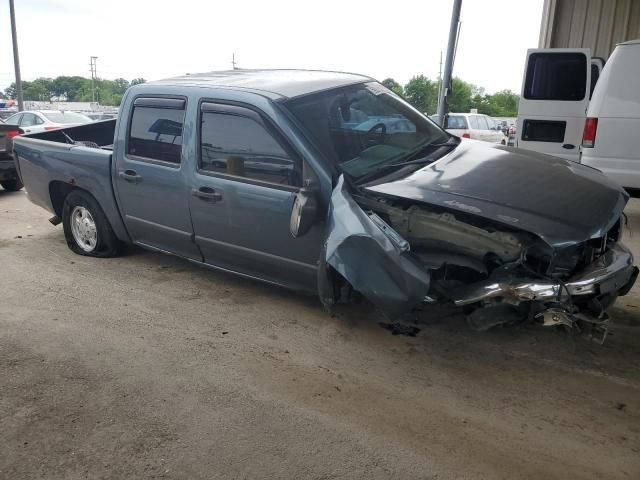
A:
[377, 262]
[612, 273]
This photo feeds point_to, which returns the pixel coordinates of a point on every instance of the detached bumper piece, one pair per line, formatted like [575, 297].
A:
[582, 298]
[612, 272]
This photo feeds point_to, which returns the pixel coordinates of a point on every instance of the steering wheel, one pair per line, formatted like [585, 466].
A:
[379, 130]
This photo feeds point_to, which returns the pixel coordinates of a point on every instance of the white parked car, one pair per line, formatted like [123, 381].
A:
[35, 121]
[475, 126]
[610, 136]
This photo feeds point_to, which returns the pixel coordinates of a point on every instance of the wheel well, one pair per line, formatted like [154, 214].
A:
[58, 192]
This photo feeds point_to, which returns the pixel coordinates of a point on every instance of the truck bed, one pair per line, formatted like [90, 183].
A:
[96, 134]
[50, 163]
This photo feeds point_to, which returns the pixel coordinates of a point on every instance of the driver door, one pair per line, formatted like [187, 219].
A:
[242, 195]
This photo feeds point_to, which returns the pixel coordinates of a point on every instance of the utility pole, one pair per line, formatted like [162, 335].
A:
[443, 107]
[233, 61]
[16, 60]
[439, 83]
[94, 76]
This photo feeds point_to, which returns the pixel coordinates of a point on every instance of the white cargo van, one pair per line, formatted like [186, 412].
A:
[556, 89]
[611, 137]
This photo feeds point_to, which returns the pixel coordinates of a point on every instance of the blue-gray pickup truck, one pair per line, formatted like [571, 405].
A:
[330, 183]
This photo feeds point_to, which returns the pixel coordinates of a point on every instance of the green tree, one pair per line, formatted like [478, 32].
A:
[394, 86]
[10, 91]
[137, 81]
[503, 104]
[422, 93]
[74, 89]
[460, 98]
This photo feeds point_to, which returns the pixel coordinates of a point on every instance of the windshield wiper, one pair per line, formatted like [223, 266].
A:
[425, 159]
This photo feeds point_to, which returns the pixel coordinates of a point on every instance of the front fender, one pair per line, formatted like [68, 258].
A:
[371, 256]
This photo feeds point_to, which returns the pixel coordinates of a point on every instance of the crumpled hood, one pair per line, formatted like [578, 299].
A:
[561, 201]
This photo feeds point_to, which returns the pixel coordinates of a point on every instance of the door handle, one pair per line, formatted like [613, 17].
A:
[130, 176]
[207, 193]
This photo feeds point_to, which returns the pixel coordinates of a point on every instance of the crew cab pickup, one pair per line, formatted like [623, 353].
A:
[8, 173]
[305, 179]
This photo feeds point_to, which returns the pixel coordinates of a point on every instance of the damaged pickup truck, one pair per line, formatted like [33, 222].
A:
[330, 183]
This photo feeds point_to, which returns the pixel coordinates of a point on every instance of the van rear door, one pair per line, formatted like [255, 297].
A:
[554, 100]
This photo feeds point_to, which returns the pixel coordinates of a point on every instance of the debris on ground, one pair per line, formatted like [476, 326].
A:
[400, 329]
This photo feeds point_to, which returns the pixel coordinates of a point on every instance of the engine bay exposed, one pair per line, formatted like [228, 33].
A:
[502, 275]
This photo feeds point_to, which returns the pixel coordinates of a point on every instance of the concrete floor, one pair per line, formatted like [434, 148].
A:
[146, 366]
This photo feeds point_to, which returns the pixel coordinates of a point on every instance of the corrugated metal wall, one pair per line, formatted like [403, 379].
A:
[596, 24]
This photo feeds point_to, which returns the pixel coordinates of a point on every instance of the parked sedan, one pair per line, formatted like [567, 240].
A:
[36, 121]
[475, 126]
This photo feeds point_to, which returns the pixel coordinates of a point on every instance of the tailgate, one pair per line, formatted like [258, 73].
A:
[7, 132]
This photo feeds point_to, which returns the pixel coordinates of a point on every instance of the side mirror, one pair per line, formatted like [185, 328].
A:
[304, 211]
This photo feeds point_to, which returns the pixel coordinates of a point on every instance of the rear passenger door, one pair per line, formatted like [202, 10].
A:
[474, 128]
[242, 195]
[494, 134]
[153, 194]
[554, 101]
[484, 132]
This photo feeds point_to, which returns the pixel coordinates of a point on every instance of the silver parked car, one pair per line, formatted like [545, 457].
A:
[36, 121]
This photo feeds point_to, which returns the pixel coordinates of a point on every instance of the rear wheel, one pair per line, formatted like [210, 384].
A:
[12, 185]
[86, 228]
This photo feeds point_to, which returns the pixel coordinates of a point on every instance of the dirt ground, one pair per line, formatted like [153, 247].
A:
[146, 366]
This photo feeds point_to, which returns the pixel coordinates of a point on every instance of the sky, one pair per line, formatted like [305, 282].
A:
[157, 39]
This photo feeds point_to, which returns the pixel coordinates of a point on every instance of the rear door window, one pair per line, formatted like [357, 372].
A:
[473, 121]
[235, 141]
[595, 75]
[155, 131]
[556, 76]
[28, 119]
[482, 123]
[491, 123]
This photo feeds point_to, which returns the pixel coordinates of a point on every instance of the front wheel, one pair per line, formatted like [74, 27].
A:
[12, 185]
[86, 228]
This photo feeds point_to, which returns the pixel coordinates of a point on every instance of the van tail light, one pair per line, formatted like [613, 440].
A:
[589, 134]
[13, 133]
[466, 135]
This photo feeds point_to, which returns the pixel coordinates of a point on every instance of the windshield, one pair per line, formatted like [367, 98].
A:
[363, 127]
[66, 117]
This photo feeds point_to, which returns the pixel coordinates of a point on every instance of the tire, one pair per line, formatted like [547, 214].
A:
[86, 228]
[503, 142]
[12, 185]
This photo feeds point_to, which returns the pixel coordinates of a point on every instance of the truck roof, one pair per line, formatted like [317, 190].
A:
[282, 83]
